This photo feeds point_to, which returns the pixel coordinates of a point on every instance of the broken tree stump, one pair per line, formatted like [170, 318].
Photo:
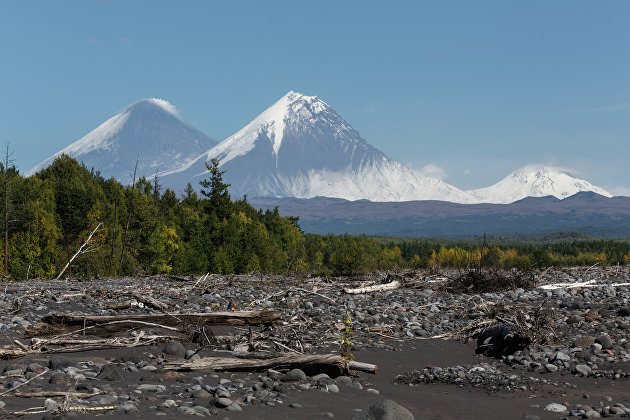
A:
[109, 324]
[312, 364]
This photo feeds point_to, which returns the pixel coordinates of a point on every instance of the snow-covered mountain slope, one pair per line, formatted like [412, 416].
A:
[300, 147]
[149, 129]
[534, 181]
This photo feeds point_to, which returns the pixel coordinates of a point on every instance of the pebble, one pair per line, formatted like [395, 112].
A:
[333, 388]
[556, 408]
[168, 404]
[605, 341]
[59, 362]
[234, 407]
[223, 402]
[151, 388]
[201, 394]
[174, 348]
[294, 375]
[583, 370]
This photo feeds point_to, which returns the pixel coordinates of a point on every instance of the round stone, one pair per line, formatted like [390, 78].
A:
[556, 408]
[174, 348]
[294, 375]
[223, 402]
[605, 341]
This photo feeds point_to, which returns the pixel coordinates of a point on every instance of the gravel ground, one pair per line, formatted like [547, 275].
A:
[416, 335]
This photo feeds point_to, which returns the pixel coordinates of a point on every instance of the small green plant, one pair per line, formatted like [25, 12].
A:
[348, 332]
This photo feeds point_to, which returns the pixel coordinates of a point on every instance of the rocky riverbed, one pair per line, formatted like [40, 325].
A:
[559, 349]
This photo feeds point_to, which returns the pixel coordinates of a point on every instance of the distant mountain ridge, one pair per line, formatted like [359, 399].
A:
[584, 212]
[299, 147]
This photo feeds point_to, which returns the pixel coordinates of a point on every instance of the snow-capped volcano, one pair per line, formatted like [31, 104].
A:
[149, 129]
[534, 181]
[300, 147]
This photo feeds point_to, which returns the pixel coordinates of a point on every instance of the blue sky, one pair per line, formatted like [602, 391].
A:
[469, 90]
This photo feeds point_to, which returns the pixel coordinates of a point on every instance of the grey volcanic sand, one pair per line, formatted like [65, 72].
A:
[430, 401]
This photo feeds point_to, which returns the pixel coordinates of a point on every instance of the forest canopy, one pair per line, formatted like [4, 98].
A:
[145, 230]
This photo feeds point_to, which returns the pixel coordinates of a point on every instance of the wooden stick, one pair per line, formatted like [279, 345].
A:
[23, 383]
[80, 251]
[285, 347]
[198, 319]
[54, 394]
[316, 294]
[40, 410]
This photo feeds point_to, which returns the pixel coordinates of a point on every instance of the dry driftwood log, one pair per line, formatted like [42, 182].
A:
[149, 301]
[105, 324]
[375, 288]
[69, 345]
[312, 364]
[58, 394]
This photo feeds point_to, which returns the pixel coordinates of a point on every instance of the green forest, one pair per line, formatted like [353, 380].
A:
[143, 229]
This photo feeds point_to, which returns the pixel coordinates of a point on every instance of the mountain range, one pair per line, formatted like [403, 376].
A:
[585, 212]
[299, 147]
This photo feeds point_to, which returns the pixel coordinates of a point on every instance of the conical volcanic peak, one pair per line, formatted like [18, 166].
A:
[149, 129]
[301, 147]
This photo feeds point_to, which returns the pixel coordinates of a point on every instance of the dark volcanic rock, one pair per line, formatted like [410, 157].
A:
[113, 373]
[59, 362]
[174, 348]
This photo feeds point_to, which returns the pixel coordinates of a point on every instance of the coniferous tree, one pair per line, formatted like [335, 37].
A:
[216, 191]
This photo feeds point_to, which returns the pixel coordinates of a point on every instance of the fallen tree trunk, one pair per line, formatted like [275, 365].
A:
[311, 364]
[106, 324]
[376, 288]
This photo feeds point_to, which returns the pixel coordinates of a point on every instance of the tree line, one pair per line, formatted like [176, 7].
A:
[141, 229]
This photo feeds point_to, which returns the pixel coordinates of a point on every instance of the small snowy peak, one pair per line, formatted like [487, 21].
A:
[535, 181]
